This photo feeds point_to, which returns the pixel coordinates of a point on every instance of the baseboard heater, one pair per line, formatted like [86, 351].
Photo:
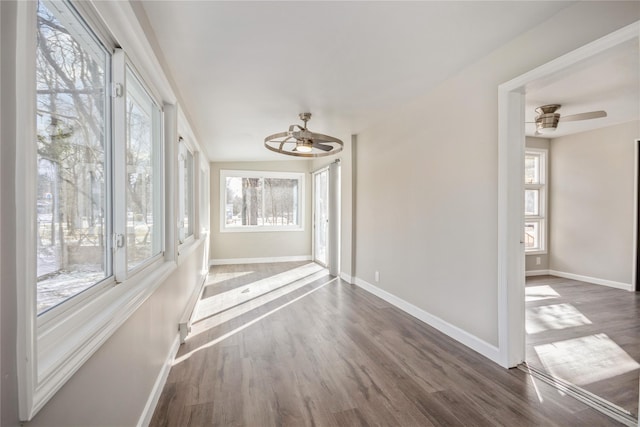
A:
[590, 399]
[184, 327]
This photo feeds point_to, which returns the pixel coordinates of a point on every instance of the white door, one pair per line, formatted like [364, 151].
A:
[321, 217]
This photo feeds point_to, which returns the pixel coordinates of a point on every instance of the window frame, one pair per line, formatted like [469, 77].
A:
[185, 147]
[45, 318]
[52, 346]
[122, 66]
[541, 187]
[228, 173]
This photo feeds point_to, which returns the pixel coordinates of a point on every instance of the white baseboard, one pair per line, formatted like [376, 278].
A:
[489, 351]
[156, 391]
[231, 261]
[593, 280]
[536, 273]
[347, 278]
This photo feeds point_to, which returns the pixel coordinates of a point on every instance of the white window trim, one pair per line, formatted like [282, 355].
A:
[52, 347]
[224, 173]
[542, 217]
[184, 144]
[204, 219]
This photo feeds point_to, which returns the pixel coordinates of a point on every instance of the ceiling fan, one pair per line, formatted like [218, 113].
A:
[547, 119]
[300, 141]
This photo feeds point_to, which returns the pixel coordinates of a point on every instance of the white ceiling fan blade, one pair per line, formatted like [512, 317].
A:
[584, 116]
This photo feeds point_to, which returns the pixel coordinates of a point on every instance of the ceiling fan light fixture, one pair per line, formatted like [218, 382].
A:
[301, 142]
[545, 130]
[304, 147]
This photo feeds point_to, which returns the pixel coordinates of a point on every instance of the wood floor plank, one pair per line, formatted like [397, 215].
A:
[331, 354]
[586, 334]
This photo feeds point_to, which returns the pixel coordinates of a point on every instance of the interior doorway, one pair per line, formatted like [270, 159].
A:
[321, 217]
[511, 243]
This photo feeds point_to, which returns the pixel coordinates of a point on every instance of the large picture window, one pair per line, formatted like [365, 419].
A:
[261, 201]
[535, 181]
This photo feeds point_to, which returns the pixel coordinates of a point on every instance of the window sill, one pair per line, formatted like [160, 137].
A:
[259, 229]
[536, 252]
[63, 348]
[185, 249]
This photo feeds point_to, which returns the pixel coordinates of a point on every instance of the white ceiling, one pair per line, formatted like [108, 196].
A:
[609, 81]
[246, 69]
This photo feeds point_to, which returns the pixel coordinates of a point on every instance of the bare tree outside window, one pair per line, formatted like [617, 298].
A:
[70, 127]
[142, 184]
[261, 202]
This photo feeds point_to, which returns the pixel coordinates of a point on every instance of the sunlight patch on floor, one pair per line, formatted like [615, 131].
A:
[223, 337]
[219, 317]
[555, 316]
[537, 293]
[221, 277]
[217, 303]
[585, 360]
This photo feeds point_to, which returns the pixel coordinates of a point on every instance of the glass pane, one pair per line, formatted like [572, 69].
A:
[233, 206]
[281, 201]
[243, 201]
[532, 169]
[251, 212]
[532, 202]
[71, 123]
[188, 194]
[204, 197]
[531, 235]
[321, 213]
[144, 217]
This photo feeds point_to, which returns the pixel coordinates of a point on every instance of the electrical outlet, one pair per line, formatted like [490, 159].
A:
[537, 260]
[377, 276]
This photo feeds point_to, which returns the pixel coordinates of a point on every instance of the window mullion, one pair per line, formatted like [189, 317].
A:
[263, 198]
[120, 164]
[181, 190]
[196, 195]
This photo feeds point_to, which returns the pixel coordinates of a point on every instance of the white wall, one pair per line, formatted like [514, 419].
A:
[426, 204]
[269, 244]
[591, 194]
[530, 260]
[113, 386]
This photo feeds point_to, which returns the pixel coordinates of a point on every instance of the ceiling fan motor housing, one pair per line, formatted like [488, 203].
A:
[547, 119]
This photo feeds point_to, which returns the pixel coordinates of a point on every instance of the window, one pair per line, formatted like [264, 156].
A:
[143, 184]
[535, 180]
[186, 172]
[90, 196]
[72, 119]
[261, 201]
[204, 197]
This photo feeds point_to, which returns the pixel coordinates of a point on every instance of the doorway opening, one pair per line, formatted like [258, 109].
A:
[326, 217]
[511, 220]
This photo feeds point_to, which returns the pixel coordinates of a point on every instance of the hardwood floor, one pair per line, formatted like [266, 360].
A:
[331, 354]
[588, 335]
